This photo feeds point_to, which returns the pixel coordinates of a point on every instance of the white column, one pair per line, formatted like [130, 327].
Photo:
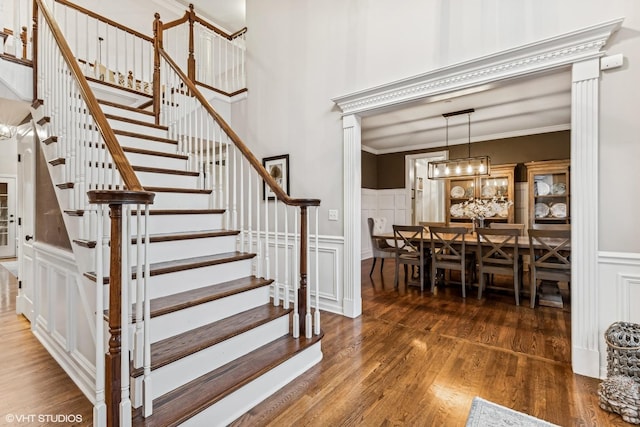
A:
[352, 301]
[584, 217]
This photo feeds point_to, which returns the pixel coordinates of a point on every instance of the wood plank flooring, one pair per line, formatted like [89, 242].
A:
[417, 359]
[411, 359]
[32, 384]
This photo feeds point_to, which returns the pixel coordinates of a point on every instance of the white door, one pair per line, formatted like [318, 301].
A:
[7, 217]
[26, 212]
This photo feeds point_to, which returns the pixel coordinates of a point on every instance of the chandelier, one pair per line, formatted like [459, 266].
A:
[464, 167]
[6, 131]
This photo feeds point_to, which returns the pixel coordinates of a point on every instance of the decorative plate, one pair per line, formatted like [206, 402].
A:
[468, 193]
[559, 210]
[542, 188]
[457, 192]
[541, 210]
[489, 190]
[559, 189]
[456, 210]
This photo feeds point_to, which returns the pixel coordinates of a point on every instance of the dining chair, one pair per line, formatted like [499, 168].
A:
[410, 250]
[449, 252]
[498, 254]
[380, 247]
[507, 226]
[550, 252]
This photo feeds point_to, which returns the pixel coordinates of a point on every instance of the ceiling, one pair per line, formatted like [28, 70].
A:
[229, 14]
[526, 106]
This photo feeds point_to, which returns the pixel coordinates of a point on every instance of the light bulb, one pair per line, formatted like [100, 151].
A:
[458, 170]
[446, 170]
[481, 168]
[469, 168]
[436, 172]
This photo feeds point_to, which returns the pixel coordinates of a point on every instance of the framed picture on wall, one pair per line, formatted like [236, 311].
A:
[278, 168]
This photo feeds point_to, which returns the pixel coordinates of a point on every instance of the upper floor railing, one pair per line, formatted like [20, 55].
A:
[215, 59]
[15, 30]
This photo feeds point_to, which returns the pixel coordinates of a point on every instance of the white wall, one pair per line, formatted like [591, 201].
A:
[301, 54]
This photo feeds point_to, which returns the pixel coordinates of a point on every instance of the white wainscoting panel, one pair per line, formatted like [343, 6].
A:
[393, 204]
[330, 273]
[64, 315]
[619, 294]
[369, 206]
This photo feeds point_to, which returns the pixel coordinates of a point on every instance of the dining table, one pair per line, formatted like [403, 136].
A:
[548, 295]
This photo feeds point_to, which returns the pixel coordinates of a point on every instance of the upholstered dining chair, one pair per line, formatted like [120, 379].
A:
[550, 252]
[410, 250]
[380, 247]
[448, 251]
[498, 254]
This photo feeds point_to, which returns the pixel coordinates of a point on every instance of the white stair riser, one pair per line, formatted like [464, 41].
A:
[166, 200]
[226, 410]
[175, 323]
[191, 367]
[187, 248]
[156, 179]
[180, 281]
[137, 128]
[147, 144]
[156, 161]
[108, 109]
[180, 223]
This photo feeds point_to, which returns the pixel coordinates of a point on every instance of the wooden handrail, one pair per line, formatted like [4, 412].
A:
[269, 180]
[105, 20]
[191, 16]
[122, 164]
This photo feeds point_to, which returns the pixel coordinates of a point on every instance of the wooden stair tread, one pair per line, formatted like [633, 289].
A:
[135, 122]
[143, 136]
[177, 190]
[181, 211]
[125, 107]
[153, 153]
[191, 298]
[166, 237]
[187, 235]
[172, 266]
[164, 170]
[184, 402]
[174, 348]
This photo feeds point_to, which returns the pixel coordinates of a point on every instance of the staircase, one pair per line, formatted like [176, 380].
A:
[207, 275]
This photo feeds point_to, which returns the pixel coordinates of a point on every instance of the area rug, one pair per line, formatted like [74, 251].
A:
[484, 413]
[12, 266]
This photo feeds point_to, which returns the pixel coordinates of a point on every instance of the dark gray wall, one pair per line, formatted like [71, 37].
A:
[389, 169]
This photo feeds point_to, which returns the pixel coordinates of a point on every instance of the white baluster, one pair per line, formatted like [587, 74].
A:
[317, 281]
[307, 319]
[125, 274]
[296, 282]
[100, 408]
[148, 401]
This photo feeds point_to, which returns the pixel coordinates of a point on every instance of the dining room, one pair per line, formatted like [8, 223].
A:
[527, 180]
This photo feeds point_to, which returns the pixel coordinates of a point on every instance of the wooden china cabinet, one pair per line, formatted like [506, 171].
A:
[549, 192]
[499, 184]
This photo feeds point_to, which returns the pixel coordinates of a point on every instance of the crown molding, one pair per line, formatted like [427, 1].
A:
[491, 137]
[547, 54]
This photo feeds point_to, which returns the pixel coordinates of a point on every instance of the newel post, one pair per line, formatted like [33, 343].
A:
[302, 291]
[191, 61]
[113, 356]
[157, 45]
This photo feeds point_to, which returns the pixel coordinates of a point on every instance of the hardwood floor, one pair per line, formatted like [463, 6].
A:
[411, 359]
[33, 387]
[417, 359]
